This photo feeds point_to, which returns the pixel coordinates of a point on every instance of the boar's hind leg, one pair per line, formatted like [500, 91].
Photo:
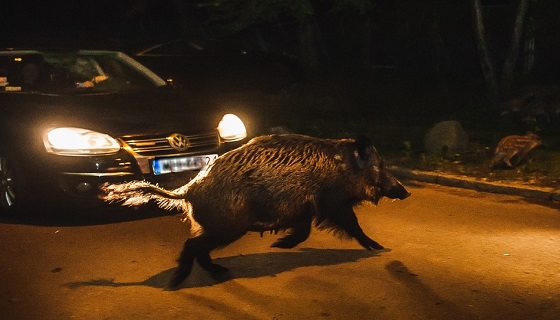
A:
[199, 248]
[186, 260]
[347, 221]
[297, 234]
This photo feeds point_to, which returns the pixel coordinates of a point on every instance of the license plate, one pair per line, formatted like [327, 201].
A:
[180, 164]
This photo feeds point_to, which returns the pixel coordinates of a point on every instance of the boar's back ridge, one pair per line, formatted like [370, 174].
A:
[282, 173]
[288, 154]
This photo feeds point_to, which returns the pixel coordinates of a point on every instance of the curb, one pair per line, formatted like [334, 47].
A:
[528, 191]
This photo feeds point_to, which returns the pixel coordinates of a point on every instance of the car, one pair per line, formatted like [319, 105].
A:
[71, 120]
[206, 64]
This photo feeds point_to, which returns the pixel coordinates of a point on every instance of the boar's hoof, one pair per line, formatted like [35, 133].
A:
[216, 269]
[206, 263]
[176, 280]
[222, 276]
[286, 242]
[370, 244]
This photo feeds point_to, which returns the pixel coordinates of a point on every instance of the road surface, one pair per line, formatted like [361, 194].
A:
[454, 254]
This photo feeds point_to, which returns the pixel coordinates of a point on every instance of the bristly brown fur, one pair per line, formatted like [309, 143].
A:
[277, 182]
[138, 193]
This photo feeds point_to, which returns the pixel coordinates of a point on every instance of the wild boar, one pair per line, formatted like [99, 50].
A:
[511, 150]
[274, 182]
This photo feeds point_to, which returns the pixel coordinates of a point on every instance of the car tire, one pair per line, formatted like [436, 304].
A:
[13, 196]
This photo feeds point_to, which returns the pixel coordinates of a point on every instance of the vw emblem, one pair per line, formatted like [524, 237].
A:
[178, 142]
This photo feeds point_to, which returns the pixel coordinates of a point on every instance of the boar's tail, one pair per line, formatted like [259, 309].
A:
[137, 193]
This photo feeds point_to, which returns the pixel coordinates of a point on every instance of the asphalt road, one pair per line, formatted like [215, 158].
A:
[454, 254]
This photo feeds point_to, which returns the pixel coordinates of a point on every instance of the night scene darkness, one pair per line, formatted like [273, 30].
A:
[280, 159]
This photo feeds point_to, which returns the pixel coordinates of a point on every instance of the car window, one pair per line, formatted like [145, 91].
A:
[73, 72]
[175, 48]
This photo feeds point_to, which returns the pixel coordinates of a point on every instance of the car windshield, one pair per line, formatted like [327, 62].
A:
[192, 47]
[73, 72]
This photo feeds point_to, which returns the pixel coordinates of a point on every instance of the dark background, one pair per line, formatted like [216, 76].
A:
[383, 62]
[430, 36]
[388, 68]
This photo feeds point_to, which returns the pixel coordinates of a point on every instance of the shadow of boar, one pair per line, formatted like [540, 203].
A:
[274, 182]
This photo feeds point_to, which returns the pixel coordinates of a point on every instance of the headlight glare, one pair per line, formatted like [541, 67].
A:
[231, 128]
[77, 141]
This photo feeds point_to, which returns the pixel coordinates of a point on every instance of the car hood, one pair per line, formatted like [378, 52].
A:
[116, 114]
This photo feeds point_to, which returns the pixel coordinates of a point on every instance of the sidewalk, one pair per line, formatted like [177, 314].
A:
[518, 189]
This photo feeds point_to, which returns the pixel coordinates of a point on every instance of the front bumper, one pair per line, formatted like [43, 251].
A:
[76, 180]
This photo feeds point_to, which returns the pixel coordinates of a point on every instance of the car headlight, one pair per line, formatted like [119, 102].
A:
[231, 128]
[77, 142]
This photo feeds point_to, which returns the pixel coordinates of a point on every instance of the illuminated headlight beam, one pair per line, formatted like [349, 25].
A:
[77, 141]
[231, 128]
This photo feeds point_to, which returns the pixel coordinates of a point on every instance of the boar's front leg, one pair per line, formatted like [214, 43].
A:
[346, 220]
[206, 263]
[297, 234]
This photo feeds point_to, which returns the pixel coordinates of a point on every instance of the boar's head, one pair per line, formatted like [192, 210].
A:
[379, 181]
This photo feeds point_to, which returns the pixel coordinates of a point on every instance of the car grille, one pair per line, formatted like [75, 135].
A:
[158, 145]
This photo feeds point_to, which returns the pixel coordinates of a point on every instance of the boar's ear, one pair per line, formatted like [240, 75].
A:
[364, 150]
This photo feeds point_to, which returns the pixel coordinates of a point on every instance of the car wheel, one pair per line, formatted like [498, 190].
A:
[12, 195]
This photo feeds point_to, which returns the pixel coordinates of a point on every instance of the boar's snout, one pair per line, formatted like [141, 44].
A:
[396, 191]
[390, 187]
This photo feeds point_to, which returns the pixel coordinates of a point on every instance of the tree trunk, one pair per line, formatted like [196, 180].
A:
[486, 64]
[502, 91]
[513, 52]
